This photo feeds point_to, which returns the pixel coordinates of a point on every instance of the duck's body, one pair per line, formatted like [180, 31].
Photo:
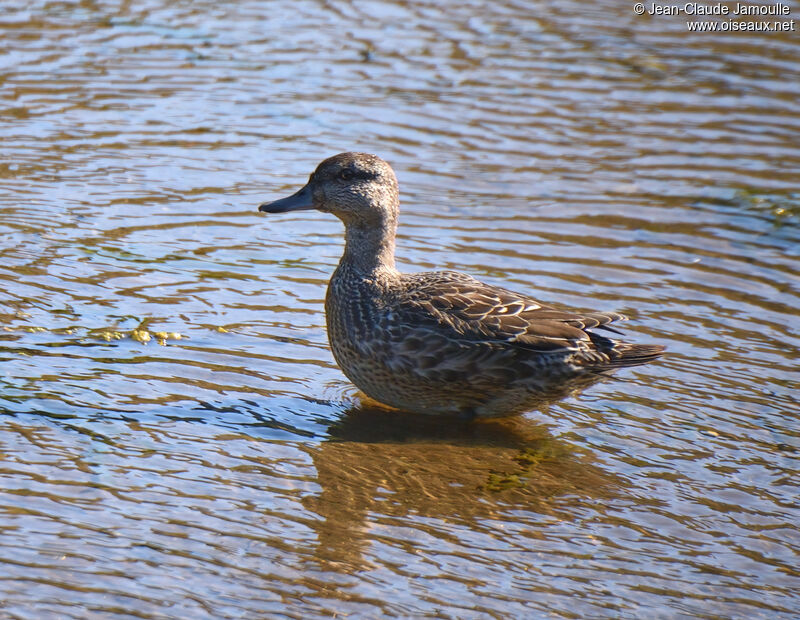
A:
[440, 342]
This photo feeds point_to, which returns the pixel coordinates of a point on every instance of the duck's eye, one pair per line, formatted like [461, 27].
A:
[346, 174]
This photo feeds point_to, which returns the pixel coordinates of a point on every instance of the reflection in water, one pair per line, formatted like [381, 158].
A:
[400, 465]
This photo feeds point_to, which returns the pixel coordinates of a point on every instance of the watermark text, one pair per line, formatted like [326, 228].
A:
[737, 17]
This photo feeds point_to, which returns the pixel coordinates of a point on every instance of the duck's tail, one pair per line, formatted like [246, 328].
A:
[624, 354]
[621, 354]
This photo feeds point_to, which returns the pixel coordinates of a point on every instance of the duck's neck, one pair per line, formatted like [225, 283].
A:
[369, 248]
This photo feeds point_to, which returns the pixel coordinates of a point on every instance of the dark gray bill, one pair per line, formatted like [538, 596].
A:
[298, 201]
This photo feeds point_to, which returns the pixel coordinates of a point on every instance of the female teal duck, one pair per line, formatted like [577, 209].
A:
[440, 342]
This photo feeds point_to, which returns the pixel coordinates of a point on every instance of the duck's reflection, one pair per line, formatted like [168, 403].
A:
[381, 465]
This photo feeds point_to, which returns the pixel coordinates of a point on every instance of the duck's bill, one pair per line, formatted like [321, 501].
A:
[298, 201]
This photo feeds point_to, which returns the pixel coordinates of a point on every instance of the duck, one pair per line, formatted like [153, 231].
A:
[441, 342]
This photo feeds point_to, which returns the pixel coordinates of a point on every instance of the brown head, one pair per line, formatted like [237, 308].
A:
[358, 188]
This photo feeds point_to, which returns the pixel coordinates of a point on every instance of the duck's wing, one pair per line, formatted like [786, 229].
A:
[452, 302]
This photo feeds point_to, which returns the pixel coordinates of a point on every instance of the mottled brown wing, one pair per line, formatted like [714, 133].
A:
[479, 312]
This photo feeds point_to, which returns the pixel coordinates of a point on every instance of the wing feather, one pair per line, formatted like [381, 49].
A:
[455, 302]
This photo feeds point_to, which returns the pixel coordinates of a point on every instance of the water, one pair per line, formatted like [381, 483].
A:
[225, 467]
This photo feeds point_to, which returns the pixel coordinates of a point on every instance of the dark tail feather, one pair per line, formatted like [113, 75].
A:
[608, 328]
[623, 354]
[633, 354]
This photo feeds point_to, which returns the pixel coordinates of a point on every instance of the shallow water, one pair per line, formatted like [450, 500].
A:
[226, 468]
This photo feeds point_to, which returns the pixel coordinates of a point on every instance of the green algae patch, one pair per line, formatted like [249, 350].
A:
[501, 482]
[144, 335]
[140, 334]
[527, 463]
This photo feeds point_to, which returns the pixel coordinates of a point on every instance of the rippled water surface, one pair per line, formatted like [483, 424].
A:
[176, 440]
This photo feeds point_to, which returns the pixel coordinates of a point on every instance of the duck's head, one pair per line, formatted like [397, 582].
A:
[358, 188]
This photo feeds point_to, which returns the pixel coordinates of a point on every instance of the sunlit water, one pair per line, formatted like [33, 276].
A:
[226, 468]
